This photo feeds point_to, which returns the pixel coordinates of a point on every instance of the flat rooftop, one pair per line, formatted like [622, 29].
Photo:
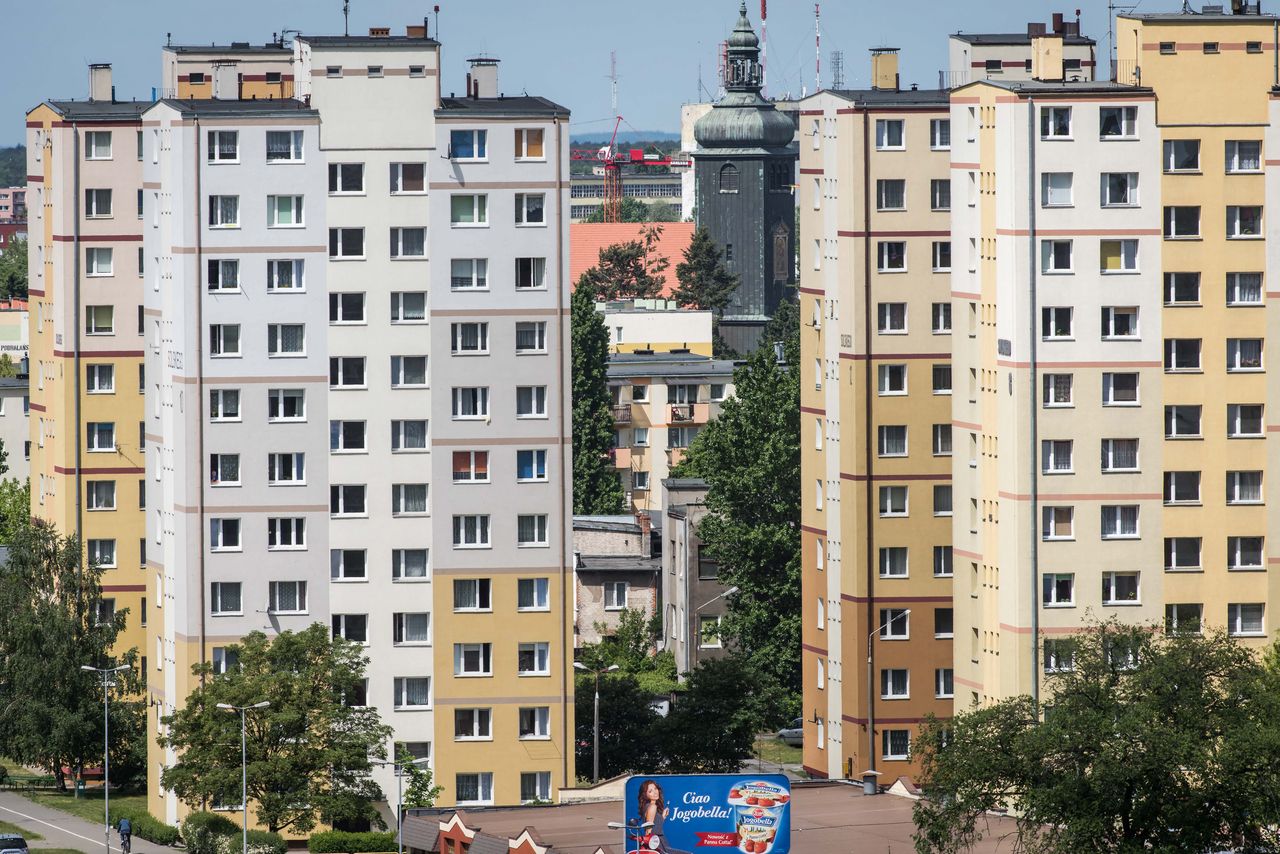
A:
[101, 110]
[287, 107]
[622, 365]
[515, 105]
[1016, 38]
[271, 49]
[940, 98]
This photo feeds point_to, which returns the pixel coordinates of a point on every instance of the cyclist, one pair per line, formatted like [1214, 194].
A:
[126, 835]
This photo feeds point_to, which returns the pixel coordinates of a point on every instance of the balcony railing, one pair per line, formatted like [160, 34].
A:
[622, 413]
[681, 413]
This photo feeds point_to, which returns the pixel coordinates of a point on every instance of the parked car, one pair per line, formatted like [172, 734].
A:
[790, 735]
[11, 843]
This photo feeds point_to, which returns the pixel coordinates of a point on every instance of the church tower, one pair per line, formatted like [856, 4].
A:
[743, 177]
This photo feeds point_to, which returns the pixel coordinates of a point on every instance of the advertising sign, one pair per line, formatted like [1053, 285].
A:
[683, 814]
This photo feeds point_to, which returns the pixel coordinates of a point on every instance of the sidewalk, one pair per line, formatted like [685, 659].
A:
[61, 830]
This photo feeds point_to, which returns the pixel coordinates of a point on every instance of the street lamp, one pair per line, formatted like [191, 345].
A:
[595, 741]
[244, 769]
[105, 674]
[871, 715]
[400, 794]
[732, 590]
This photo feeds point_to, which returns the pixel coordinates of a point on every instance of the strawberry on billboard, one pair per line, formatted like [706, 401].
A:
[687, 813]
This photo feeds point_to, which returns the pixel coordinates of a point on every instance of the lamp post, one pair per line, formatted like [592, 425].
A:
[595, 739]
[400, 794]
[871, 719]
[105, 674]
[244, 769]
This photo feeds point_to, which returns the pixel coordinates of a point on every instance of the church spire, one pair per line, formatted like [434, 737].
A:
[742, 66]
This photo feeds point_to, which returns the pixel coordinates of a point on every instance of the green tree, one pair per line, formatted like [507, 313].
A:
[15, 504]
[13, 270]
[706, 284]
[309, 753]
[13, 166]
[631, 646]
[710, 730]
[629, 210]
[750, 458]
[1149, 742]
[596, 487]
[629, 738]
[662, 212]
[8, 369]
[51, 623]
[628, 270]
[420, 792]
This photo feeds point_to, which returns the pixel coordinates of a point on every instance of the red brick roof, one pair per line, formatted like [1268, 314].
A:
[586, 239]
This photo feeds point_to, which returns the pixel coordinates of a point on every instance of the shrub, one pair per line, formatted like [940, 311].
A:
[342, 842]
[264, 842]
[146, 827]
[201, 831]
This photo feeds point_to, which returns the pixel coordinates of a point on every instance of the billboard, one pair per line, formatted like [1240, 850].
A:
[683, 814]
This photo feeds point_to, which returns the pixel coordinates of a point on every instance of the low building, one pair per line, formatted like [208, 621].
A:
[1007, 56]
[13, 204]
[11, 231]
[614, 570]
[663, 188]
[694, 599]
[657, 325]
[14, 430]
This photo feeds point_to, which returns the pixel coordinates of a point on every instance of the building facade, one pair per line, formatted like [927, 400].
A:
[587, 193]
[1008, 56]
[614, 571]
[13, 204]
[694, 600]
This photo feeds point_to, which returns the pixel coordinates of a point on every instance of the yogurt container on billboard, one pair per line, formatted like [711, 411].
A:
[757, 807]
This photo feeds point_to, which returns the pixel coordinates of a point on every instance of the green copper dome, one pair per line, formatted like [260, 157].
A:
[743, 119]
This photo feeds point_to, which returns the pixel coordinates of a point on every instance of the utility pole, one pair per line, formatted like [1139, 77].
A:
[105, 673]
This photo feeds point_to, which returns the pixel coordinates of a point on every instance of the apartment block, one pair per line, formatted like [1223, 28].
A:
[875, 198]
[13, 204]
[236, 71]
[86, 268]
[1009, 56]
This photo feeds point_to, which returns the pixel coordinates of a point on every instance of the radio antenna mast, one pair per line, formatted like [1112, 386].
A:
[817, 45]
[613, 79]
[764, 47]
[346, 17]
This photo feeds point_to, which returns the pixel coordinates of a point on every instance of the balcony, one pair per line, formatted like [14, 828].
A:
[621, 458]
[689, 413]
[675, 456]
[622, 413]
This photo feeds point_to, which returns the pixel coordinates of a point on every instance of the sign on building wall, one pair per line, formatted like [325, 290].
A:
[674, 813]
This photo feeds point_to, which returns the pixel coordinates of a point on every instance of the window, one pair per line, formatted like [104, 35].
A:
[409, 435]
[729, 179]
[286, 404]
[1182, 487]
[285, 274]
[942, 263]
[474, 788]
[1253, 47]
[411, 628]
[284, 146]
[99, 320]
[472, 724]
[471, 532]
[346, 436]
[1244, 354]
[1059, 655]
[1119, 322]
[893, 501]
[346, 178]
[288, 597]
[893, 562]
[1244, 619]
[224, 597]
[408, 306]
[224, 211]
[284, 211]
[615, 595]
[353, 627]
[412, 692]
[1119, 189]
[891, 194]
[224, 339]
[1182, 155]
[224, 469]
[940, 134]
[1055, 456]
[893, 440]
[896, 744]
[1244, 487]
[408, 371]
[942, 378]
[942, 500]
[531, 209]
[1244, 289]
[408, 178]
[533, 594]
[224, 275]
[942, 440]
[469, 274]
[224, 404]
[1055, 122]
[1058, 589]
[1244, 156]
[942, 562]
[224, 535]
[98, 261]
[468, 210]
[100, 379]
[286, 339]
[470, 466]
[408, 243]
[531, 273]
[1055, 256]
[1057, 523]
[531, 401]
[346, 243]
[286, 533]
[533, 659]
[531, 465]
[1210, 47]
[1181, 553]
[1119, 521]
[97, 145]
[469, 338]
[941, 312]
[1182, 288]
[409, 565]
[531, 530]
[940, 194]
[468, 145]
[1056, 189]
[1118, 122]
[1181, 354]
[472, 659]
[894, 684]
[470, 402]
[346, 308]
[895, 624]
[891, 318]
[1244, 553]
[1244, 221]
[1244, 420]
[531, 336]
[1058, 389]
[286, 468]
[535, 722]
[1182, 421]
[1181, 221]
[347, 500]
[892, 255]
[529, 144]
[1055, 322]
[97, 204]
[892, 379]
[101, 494]
[889, 134]
[1183, 618]
[408, 499]
[223, 659]
[101, 435]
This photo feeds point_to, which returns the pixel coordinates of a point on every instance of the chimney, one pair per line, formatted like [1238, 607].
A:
[1035, 29]
[646, 525]
[884, 68]
[100, 81]
[379, 32]
[416, 31]
[484, 77]
[1057, 22]
[1046, 58]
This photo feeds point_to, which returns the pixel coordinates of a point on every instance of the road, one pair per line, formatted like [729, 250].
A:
[61, 830]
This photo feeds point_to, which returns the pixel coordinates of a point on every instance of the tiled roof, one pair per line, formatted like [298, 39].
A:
[586, 239]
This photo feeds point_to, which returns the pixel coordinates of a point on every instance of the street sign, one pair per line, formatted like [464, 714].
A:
[675, 813]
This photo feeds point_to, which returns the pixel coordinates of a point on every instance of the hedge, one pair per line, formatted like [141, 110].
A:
[202, 831]
[145, 826]
[342, 842]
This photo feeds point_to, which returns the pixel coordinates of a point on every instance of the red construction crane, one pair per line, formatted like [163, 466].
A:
[612, 160]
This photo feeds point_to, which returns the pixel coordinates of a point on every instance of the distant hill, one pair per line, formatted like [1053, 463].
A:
[13, 166]
[627, 136]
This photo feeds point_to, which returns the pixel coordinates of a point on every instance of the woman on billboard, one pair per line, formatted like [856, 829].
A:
[653, 812]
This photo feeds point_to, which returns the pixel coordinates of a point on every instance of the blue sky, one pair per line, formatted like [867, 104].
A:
[556, 48]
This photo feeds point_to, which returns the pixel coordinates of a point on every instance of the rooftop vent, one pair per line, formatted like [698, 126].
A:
[1035, 29]
[379, 32]
[240, 45]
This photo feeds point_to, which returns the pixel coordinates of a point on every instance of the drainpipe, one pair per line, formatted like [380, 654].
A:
[868, 449]
[1032, 375]
[565, 577]
[77, 249]
[199, 365]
